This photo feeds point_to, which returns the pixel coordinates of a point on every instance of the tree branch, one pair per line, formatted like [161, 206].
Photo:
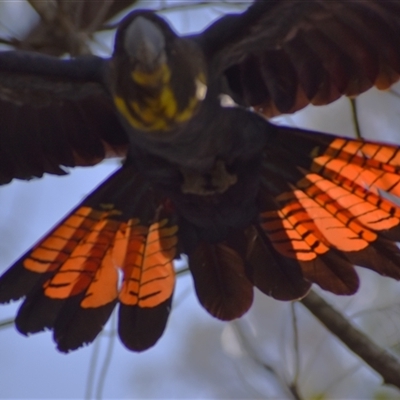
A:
[47, 9]
[381, 360]
[6, 323]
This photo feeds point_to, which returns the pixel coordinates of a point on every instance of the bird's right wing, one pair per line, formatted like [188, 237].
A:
[70, 278]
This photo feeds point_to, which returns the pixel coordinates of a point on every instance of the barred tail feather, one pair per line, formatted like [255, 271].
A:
[70, 278]
[323, 206]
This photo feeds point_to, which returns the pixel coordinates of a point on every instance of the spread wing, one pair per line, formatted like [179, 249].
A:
[54, 113]
[70, 278]
[328, 203]
[282, 55]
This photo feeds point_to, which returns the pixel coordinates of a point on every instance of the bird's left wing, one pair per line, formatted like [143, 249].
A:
[54, 113]
[281, 55]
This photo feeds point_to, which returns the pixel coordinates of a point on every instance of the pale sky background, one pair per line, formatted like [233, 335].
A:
[198, 357]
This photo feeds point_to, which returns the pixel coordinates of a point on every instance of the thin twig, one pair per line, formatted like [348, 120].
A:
[182, 271]
[92, 368]
[354, 115]
[382, 361]
[10, 42]
[47, 9]
[255, 356]
[7, 323]
[200, 4]
[99, 17]
[394, 93]
[178, 7]
[296, 346]
[106, 362]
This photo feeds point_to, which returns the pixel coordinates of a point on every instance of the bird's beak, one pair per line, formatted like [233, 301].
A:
[145, 45]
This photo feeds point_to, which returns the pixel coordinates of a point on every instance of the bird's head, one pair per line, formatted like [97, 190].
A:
[158, 78]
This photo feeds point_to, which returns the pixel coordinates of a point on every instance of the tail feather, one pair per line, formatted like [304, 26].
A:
[382, 256]
[220, 279]
[70, 278]
[323, 205]
[271, 272]
[294, 233]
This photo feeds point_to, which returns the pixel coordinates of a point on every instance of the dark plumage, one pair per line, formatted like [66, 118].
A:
[251, 203]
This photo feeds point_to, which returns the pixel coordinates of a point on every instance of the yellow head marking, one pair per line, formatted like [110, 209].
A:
[161, 75]
[158, 111]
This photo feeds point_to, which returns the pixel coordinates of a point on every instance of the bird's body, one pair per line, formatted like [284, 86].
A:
[249, 202]
[212, 179]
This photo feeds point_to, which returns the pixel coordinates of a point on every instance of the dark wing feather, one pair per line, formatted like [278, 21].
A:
[279, 56]
[54, 113]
